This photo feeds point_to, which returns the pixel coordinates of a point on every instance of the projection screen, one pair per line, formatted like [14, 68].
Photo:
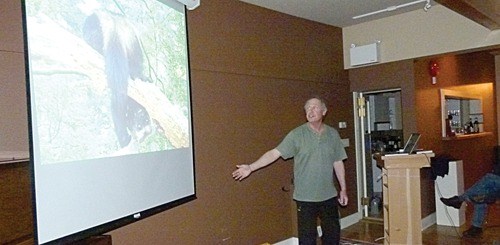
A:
[110, 113]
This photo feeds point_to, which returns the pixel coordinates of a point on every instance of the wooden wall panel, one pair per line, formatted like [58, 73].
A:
[473, 72]
[422, 112]
[252, 70]
[16, 221]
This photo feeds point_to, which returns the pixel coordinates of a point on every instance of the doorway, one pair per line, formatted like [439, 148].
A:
[379, 128]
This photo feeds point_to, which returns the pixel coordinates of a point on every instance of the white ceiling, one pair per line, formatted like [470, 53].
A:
[337, 13]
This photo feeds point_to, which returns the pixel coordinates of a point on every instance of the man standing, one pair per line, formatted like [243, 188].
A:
[318, 153]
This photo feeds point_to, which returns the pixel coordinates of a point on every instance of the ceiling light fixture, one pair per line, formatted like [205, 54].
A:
[392, 8]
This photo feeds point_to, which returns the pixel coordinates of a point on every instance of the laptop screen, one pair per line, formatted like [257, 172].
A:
[411, 143]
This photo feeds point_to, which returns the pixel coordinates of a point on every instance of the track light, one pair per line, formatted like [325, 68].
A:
[392, 8]
[427, 5]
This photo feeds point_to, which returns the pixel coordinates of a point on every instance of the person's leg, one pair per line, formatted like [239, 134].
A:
[485, 188]
[479, 214]
[330, 224]
[307, 214]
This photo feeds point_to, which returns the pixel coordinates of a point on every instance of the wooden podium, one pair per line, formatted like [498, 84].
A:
[401, 194]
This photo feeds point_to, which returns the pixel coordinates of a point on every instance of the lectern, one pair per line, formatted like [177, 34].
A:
[401, 194]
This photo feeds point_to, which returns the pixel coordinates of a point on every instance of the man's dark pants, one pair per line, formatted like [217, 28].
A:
[328, 213]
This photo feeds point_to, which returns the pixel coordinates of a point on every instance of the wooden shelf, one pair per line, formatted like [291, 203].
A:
[468, 136]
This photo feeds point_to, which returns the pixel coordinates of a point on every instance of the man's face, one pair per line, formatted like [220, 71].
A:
[314, 110]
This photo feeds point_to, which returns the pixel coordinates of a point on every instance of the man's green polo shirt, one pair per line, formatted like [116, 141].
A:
[313, 155]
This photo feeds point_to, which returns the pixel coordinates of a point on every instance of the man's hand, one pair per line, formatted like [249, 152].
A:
[343, 200]
[242, 172]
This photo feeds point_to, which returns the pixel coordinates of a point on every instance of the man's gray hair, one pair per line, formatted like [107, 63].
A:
[323, 104]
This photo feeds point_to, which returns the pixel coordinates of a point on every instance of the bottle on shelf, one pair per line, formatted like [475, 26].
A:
[476, 126]
[449, 122]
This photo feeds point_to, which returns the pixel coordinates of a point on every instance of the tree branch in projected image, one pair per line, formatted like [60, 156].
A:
[168, 119]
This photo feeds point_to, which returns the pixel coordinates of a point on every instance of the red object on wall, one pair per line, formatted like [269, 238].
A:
[433, 70]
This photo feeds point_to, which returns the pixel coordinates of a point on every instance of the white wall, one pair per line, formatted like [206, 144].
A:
[418, 34]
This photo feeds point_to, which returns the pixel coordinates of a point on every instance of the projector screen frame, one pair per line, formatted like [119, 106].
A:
[119, 221]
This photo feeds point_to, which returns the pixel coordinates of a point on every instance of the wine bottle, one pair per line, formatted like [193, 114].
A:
[476, 126]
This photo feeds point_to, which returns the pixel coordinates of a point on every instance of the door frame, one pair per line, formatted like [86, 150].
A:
[358, 111]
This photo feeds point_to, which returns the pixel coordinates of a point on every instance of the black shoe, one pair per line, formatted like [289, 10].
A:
[473, 232]
[452, 202]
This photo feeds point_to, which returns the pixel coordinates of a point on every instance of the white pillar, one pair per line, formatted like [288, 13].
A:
[450, 185]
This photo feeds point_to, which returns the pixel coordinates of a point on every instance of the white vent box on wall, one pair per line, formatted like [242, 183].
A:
[366, 54]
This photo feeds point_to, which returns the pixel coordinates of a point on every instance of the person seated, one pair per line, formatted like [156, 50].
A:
[483, 192]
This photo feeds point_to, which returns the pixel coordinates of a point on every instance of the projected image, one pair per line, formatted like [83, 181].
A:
[110, 113]
[107, 78]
